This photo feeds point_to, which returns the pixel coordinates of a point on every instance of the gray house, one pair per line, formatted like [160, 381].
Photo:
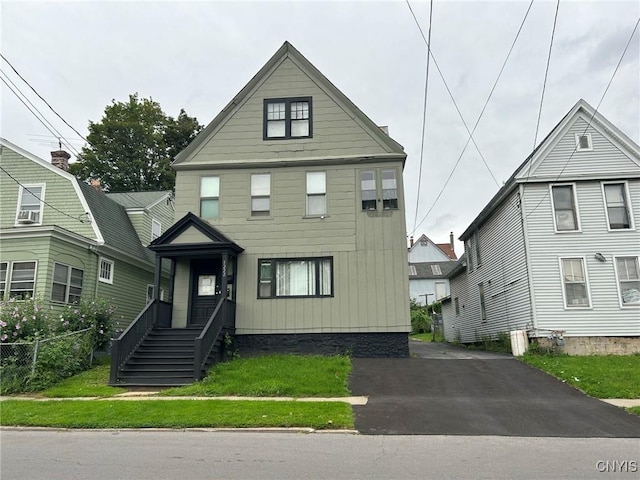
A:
[429, 266]
[555, 252]
[291, 232]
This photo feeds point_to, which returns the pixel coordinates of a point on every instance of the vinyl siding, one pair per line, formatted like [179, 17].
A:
[605, 316]
[426, 253]
[419, 287]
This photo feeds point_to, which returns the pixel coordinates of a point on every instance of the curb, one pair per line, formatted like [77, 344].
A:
[300, 430]
[151, 396]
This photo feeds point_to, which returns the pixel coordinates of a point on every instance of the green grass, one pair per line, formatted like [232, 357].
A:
[175, 414]
[614, 376]
[274, 376]
[92, 383]
[634, 410]
[423, 337]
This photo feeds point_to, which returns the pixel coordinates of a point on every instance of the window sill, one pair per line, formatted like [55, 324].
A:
[565, 232]
[108, 282]
[259, 217]
[317, 217]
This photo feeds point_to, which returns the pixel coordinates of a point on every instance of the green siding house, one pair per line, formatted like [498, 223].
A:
[62, 240]
[291, 235]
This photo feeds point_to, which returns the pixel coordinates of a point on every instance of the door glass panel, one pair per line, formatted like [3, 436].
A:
[206, 285]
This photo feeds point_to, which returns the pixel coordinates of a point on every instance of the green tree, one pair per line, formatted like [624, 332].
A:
[131, 148]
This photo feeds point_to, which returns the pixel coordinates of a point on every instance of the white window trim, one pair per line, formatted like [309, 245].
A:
[574, 190]
[218, 198]
[482, 297]
[615, 269]
[6, 277]
[586, 281]
[67, 284]
[152, 286]
[257, 215]
[10, 277]
[103, 279]
[153, 223]
[29, 186]
[632, 225]
[589, 140]
[307, 195]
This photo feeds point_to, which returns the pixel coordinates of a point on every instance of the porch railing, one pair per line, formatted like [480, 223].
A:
[223, 316]
[124, 346]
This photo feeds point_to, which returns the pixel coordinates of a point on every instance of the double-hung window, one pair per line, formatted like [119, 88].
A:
[617, 205]
[574, 279]
[564, 208]
[23, 277]
[30, 204]
[295, 277]
[628, 273]
[3, 278]
[286, 118]
[156, 229]
[67, 284]
[260, 194]
[483, 305]
[378, 184]
[316, 193]
[209, 197]
[105, 273]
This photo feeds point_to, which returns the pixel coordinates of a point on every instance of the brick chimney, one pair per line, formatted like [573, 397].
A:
[453, 249]
[60, 159]
[95, 183]
[411, 241]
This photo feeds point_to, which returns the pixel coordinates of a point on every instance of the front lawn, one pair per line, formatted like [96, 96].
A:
[92, 383]
[613, 376]
[175, 414]
[274, 376]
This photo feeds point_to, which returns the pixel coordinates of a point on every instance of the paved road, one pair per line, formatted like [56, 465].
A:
[445, 390]
[196, 455]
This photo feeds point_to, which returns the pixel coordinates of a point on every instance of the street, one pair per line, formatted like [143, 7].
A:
[200, 454]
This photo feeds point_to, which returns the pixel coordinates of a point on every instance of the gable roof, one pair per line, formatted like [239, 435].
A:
[445, 248]
[218, 241]
[581, 108]
[142, 200]
[288, 51]
[113, 221]
[424, 270]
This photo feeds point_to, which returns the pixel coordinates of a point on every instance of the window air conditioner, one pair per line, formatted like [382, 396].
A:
[27, 216]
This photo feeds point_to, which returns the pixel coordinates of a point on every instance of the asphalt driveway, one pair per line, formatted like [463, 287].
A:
[446, 390]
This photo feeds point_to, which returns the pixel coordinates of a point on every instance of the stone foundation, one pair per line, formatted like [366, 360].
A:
[593, 345]
[355, 344]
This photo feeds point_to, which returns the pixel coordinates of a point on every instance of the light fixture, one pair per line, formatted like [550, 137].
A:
[600, 257]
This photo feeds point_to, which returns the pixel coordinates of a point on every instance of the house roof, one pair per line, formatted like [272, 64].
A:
[425, 270]
[114, 223]
[139, 199]
[444, 247]
[581, 107]
[458, 267]
[287, 51]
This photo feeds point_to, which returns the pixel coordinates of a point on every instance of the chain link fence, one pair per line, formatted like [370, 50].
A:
[30, 366]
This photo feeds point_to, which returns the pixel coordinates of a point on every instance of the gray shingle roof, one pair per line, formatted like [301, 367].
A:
[424, 270]
[137, 199]
[114, 223]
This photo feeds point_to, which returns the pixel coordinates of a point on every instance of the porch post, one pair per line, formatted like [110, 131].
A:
[172, 278]
[156, 289]
[225, 273]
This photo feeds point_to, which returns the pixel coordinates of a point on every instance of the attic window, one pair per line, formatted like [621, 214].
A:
[412, 270]
[583, 142]
[436, 269]
[286, 118]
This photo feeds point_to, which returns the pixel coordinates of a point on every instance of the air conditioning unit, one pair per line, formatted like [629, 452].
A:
[27, 216]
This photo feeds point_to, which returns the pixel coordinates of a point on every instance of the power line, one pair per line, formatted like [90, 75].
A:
[566, 164]
[41, 118]
[40, 199]
[451, 95]
[504, 64]
[42, 98]
[424, 117]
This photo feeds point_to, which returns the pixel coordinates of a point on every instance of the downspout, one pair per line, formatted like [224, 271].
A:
[525, 237]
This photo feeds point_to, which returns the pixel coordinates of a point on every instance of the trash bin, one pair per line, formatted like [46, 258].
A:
[519, 342]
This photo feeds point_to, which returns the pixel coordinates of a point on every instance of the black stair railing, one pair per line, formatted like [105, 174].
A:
[123, 347]
[222, 316]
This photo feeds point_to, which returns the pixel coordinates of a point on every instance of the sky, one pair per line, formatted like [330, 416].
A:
[80, 56]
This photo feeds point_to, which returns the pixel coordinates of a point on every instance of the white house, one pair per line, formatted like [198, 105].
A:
[429, 265]
[555, 252]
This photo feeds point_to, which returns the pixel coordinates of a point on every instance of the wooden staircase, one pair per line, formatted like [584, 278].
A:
[164, 358]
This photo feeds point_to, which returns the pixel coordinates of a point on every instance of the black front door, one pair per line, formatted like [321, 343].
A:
[205, 290]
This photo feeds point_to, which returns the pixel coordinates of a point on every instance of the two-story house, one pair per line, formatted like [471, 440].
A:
[291, 224]
[555, 252]
[429, 266]
[62, 240]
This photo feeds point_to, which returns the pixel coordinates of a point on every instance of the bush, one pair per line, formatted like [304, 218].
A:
[22, 320]
[420, 319]
[95, 314]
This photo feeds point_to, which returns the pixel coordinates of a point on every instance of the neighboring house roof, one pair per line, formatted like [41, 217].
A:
[288, 51]
[580, 108]
[458, 267]
[448, 251]
[431, 270]
[443, 247]
[114, 223]
[132, 200]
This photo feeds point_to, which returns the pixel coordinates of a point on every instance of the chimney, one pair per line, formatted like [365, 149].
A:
[411, 241]
[60, 159]
[96, 184]
[451, 242]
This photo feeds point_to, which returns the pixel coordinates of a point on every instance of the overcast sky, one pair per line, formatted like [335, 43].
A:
[198, 55]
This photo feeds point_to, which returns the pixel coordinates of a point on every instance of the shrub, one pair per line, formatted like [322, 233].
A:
[95, 314]
[420, 319]
[21, 320]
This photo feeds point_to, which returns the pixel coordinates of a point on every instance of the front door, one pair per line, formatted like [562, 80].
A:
[205, 290]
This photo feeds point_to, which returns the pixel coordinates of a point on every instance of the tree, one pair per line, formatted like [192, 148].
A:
[133, 145]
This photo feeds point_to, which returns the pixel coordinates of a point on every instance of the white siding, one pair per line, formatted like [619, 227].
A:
[420, 286]
[428, 252]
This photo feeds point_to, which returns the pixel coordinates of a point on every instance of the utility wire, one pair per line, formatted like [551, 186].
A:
[41, 118]
[42, 98]
[40, 199]
[451, 95]
[566, 164]
[504, 64]
[424, 116]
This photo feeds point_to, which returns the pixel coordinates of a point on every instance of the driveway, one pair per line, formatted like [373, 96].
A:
[446, 390]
